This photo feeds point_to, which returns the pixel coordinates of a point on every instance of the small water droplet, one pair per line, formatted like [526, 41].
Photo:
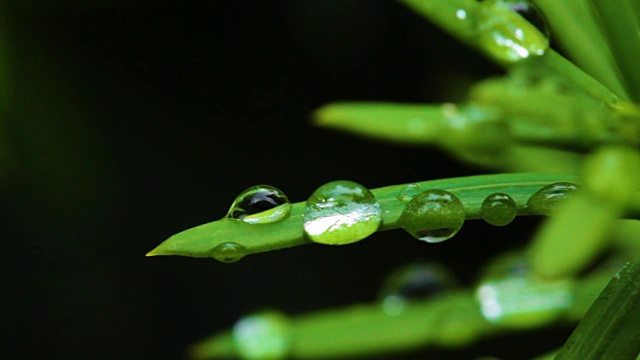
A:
[411, 282]
[532, 13]
[262, 204]
[433, 216]
[503, 33]
[498, 209]
[263, 335]
[228, 252]
[341, 212]
[408, 192]
[417, 281]
[547, 199]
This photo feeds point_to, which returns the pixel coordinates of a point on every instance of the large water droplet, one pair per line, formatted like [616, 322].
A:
[547, 199]
[263, 336]
[260, 204]
[408, 192]
[341, 212]
[433, 216]
[498, 209]
[507, 29]
[228, 252]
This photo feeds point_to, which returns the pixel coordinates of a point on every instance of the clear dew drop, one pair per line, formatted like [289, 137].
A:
[547, 199]
[228, 252]
[341, 212]
[433, 216]
[416, 281]
[408, 192]
[498, 209]
[532, 13]
[262, 204]
[507, 265]
[503, 33]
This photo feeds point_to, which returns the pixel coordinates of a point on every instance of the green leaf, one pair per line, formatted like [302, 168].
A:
[452, 319]
[611, 327]
[255, 238]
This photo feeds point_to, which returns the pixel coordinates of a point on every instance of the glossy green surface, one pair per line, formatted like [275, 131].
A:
[471, 191]
[564, 135]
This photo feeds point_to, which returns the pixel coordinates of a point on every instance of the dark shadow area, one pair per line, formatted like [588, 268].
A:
[130, 121]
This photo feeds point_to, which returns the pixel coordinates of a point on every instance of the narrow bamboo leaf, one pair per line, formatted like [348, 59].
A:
[565, 244]
[254, 238]
[570, 241]
[452, 319]
[491, 27]
[621, 24]
[541, 106]
[610, 329]
[418, 124]
[580, 37]
[459, 18]
[472, 133]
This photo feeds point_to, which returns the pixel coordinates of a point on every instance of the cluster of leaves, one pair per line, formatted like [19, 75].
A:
[550, 119]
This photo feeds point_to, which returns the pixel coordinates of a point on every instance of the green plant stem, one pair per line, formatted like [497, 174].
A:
[472, 190]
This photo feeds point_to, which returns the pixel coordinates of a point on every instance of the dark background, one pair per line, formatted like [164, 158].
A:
[126, 122]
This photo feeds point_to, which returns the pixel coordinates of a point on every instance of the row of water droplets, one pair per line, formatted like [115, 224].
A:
[437, 215]
[343, 212]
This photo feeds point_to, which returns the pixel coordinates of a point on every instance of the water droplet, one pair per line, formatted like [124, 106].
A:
[261, 336]
[508, 29]
[547, 199]
[341, 212]
[433, 216]
[228, 252]
[408, 192]
[260, 204]
[532, 13]
[511, 295]
[498, 209]
[417, 281]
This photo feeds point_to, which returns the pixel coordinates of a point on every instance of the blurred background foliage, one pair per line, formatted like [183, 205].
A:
[123, 122]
